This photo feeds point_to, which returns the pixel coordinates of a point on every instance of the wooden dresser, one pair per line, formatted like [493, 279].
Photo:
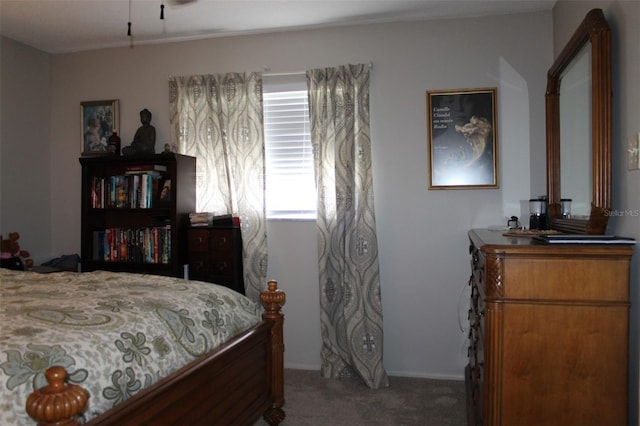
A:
[215, 255]
[549, 329]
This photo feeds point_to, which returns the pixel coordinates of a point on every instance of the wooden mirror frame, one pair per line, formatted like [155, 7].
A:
[594, 29]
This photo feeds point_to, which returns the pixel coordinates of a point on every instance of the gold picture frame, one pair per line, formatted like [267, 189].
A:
[98, 121]
[462, 139]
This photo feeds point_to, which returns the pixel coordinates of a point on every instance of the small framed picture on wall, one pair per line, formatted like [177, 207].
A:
[462, 139]
[99, 120]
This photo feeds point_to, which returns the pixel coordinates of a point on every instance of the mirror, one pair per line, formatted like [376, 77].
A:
[578, 120]
[575, 133]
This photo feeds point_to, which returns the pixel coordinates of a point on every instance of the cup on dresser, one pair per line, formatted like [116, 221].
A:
[565, 206]
[536, 214]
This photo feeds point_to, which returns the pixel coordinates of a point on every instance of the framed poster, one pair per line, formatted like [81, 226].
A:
[99, 119]
[462, 139]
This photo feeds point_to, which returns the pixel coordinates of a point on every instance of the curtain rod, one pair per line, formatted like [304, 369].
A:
[279, 74]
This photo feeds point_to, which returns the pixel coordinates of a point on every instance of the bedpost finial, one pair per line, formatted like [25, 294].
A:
[59, 402]
[273, 299]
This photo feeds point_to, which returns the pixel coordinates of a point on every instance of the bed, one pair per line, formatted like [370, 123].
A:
[130, 349]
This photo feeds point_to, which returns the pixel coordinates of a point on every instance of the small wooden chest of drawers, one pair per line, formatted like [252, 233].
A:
[215, 255]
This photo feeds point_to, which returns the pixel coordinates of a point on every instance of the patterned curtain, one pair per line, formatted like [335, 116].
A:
[350, 303]
[218, 120]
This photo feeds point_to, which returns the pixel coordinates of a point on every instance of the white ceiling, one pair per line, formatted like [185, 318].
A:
[58, 26]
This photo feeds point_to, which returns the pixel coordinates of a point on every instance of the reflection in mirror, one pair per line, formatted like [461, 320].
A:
[576, 159]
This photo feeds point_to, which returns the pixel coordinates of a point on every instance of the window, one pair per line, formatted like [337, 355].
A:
[290, 182]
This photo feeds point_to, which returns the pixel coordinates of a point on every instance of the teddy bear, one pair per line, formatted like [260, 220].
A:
[12, 256]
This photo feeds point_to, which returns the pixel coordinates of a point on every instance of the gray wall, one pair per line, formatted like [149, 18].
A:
[422, 233]
[25, 147]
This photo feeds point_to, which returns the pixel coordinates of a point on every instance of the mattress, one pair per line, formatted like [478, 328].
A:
[115, 333]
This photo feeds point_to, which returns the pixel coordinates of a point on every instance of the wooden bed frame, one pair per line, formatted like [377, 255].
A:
[235, 384]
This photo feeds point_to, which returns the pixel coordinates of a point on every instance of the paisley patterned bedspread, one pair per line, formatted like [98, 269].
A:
[114, 332]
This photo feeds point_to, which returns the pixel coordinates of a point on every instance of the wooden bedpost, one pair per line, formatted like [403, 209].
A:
[272, 300]
[59, 403]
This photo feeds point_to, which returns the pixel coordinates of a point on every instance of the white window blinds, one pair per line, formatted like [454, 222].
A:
[290, 183]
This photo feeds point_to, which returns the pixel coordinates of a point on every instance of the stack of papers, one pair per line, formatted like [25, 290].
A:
[200, 219]
[209, 219]
[582, 239]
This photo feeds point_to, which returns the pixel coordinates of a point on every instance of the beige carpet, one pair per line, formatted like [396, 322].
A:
[312, 400]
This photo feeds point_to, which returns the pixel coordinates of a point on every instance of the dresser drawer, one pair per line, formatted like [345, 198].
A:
[204, 268]
[221, 240]
[222, 267]
[477, 265]
[198, 240]
[215, 240]
[199, 265]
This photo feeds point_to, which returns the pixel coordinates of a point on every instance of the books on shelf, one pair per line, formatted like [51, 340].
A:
[143, 190]
[582, 239]
[138, 245]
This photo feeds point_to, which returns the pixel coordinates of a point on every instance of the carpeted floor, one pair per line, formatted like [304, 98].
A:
[311, 400]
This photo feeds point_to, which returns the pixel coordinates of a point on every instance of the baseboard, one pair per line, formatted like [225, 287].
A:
[316, 367]
[295, 366]
[426, 375]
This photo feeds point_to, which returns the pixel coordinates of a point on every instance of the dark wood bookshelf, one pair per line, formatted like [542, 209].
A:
[121, 232]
